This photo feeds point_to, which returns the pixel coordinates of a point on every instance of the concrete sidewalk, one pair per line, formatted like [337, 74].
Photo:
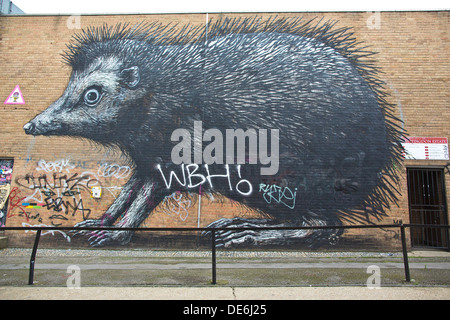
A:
[224, 293]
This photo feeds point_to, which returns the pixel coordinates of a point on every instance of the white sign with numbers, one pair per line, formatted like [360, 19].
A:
[421, 148]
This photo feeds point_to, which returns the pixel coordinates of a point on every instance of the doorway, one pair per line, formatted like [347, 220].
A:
[427, 206]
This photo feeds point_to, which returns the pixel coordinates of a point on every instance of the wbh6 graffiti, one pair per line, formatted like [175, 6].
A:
[274, 114]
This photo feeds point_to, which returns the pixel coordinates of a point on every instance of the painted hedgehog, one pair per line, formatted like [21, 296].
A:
[303, 92]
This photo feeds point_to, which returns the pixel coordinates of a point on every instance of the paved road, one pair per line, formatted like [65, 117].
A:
[225, 293]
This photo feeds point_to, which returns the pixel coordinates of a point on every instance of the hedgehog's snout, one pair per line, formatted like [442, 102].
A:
[47, 122]
[29, 128]
[37, 127]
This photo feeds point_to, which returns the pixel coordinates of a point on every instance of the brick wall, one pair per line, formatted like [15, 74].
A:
[413, 53]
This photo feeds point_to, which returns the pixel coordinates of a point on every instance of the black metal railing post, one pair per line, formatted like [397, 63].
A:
[33, 257]
[213, 254]
[405, 253]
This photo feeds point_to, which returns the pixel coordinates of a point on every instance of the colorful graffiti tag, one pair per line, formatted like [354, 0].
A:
[6, 168]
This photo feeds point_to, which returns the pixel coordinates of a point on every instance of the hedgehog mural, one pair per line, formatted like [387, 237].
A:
[303, 92]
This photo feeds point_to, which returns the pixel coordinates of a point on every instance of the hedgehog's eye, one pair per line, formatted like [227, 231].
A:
[92, 95]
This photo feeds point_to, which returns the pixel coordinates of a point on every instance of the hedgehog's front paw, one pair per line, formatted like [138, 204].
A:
[104, 237]
[101, 237]
[91, 223]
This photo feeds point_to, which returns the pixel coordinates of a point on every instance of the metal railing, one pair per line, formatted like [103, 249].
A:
[213, 231]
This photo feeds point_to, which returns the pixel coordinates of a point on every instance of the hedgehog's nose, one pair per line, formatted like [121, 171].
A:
[29, 128]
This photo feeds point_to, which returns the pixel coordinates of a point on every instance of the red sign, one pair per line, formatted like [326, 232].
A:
[426, 140]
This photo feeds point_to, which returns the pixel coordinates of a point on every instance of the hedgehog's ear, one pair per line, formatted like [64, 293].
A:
[130, 77]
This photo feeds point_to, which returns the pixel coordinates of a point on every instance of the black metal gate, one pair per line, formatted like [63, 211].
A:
[427, 205]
